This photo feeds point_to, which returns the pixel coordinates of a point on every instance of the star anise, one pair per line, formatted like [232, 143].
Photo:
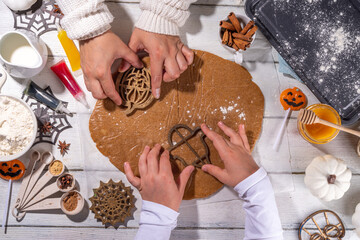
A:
[46, 128]
[57, 10]
[63, 147]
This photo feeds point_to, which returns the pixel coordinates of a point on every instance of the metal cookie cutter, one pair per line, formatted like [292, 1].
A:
[200, 160]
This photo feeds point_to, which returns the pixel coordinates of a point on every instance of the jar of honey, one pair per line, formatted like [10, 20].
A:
[319, 133]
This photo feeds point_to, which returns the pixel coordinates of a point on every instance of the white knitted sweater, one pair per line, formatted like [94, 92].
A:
[86, 19]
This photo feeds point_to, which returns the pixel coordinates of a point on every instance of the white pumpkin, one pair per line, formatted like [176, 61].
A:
[327, 177]
[356, 219]
[19, 5]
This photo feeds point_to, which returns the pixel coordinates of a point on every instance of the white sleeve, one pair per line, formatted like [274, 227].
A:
[163, 16]
[262, 217]
[84, 19]
[156, 221]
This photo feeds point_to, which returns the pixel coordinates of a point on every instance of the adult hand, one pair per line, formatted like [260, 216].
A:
[235, 154]
[156, 182]
[97, 55]
[166, 53]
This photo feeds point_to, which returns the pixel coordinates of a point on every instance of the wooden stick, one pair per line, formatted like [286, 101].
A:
[247, 27]
[235, 22]
[329, 124]
[227, 25]
[241, 36]
[281, 130]
[7, 203]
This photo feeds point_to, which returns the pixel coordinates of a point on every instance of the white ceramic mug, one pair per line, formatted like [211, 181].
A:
[22, 53]
[238, 55]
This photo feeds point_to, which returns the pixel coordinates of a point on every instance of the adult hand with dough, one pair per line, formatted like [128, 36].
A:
[169, 57]
[235, 153]
[156, 182]
[97, 55]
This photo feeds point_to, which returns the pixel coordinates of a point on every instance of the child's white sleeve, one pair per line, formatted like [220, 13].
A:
[163, 16]
[84, 19]
[262, 217]
[156, 221]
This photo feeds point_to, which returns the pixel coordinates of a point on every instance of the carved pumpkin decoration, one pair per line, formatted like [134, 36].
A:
[293, 98]
[12, 170]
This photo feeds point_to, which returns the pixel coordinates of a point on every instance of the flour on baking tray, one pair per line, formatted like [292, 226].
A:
[16, 126]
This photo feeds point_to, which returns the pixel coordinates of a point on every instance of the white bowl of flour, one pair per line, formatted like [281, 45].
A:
[18, 127]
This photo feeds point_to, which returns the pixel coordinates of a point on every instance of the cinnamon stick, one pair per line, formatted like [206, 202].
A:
[247, 27]
[235, 22]
[251, 32]
[242, 37]
[225, 38]
[230, 43]
[241, 43]
[227, 25]
[234, 46]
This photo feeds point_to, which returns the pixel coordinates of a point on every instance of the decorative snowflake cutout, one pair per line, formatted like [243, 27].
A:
[39, 19]
[58, 121]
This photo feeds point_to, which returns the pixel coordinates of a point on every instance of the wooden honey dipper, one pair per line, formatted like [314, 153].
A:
[308, 117]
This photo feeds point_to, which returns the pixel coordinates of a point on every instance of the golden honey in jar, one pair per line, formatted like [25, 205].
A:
[319, 133]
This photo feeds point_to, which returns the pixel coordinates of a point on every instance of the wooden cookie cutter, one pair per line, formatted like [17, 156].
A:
[200, 160]
[112, 202]
[134, 87]
[329, 231]
[32, 175]
[57, 203]
[39, 200]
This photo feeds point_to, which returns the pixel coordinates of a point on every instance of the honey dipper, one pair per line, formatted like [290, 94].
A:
[308, 117]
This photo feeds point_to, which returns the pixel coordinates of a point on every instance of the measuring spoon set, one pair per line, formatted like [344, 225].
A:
[33, 191]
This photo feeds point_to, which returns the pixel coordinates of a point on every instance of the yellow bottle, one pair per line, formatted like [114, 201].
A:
[71, 50]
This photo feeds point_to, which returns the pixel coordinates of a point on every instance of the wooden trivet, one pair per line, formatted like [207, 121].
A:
[200, 160]
[329, 231]
[134, 87]
[112, 202]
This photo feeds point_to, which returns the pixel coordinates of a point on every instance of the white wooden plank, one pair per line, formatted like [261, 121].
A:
[293, 208]
[199, 2]
[201, 30]
[45, 233]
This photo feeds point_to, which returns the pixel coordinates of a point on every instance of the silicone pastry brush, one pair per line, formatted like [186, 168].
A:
[308, 117]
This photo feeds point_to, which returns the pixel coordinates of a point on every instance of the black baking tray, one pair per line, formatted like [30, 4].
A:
[320, 40]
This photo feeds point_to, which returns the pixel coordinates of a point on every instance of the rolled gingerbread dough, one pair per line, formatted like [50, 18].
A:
[210, 90]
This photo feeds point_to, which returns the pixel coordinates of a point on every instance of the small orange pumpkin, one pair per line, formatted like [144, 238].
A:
[293, 98]
[12, 170]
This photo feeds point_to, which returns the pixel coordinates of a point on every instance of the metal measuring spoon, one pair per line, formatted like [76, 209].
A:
[50, 190]
[58, 203]
[45, 159]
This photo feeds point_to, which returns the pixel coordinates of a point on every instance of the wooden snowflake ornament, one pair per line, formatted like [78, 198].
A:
[134, 87]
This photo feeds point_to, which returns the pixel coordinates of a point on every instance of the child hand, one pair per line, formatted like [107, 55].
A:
[166, 52]
[235, 154]
[156, 182]
[97, 55]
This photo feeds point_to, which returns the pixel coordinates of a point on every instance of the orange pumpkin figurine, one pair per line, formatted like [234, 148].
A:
[293, 98]
[12, 170]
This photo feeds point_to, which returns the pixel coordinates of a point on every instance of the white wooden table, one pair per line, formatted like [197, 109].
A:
[219, 220]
